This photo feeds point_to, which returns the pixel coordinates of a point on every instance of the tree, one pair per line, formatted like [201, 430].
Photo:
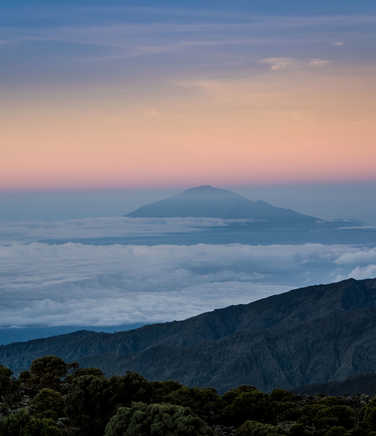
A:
[156, 420]
[370, 416]
[160, 390]
[5, 379]
[254, 428]
[282, 395]
[79, 372]
[89, 404]
[8, 386]
[299, 430]
[336, 431]
[339, 415]
[22, 423]
[47, 372]
[248, 405]
[48, 404]
[204, 402]
[130, 387]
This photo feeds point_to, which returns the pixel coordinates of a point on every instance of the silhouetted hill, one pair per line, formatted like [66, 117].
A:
[312, 335]
[207, 201]
[10, 335]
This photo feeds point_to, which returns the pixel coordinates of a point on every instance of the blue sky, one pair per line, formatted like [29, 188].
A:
[51, 39]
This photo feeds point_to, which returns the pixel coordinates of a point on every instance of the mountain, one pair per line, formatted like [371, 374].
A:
[359, 384]
[207, 201]
[306, 336]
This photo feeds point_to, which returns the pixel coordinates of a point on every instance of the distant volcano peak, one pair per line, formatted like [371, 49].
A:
[201, 188]
[206, 189]
[207, 201]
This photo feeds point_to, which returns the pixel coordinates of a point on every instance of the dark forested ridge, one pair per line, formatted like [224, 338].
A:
[358, 384]
[53, 398]
[306, 336]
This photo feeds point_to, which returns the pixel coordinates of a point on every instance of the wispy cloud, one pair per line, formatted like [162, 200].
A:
[287, 63]
[130, 48]
[318, 62]
[277, 64]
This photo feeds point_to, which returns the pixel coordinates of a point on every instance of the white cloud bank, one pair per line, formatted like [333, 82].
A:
[77, 284]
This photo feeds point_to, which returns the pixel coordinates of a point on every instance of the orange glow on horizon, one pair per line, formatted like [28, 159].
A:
[271, 128]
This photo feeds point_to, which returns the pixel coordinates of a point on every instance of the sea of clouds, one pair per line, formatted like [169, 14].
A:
[103, 285]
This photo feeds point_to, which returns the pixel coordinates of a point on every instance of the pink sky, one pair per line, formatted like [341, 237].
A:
[304, 124]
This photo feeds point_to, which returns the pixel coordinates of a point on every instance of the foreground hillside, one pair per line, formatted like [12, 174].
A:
[306, 336]
[53, 398]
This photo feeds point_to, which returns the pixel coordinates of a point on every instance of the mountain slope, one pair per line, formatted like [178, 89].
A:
[312, 335]
[359, 384]
[207, 201]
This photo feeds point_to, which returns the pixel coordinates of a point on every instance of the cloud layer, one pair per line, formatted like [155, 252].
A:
[72, 229]
[78, 284]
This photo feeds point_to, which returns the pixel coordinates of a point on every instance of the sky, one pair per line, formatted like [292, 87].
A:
[164, 95]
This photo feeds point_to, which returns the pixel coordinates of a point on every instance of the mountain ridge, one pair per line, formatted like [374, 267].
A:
[311, 335]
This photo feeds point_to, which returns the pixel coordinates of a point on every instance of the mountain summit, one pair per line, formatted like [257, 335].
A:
[210, 202]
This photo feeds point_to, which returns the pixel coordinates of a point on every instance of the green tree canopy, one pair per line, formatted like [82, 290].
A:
[156, 420]
[47, 372]
[254, 428]
[48, 404]
[22, 423]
